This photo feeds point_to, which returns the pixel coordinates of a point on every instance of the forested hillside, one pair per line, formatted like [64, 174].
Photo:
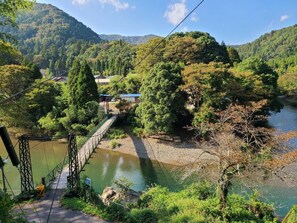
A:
[128, 39]
[278, 48]
[51, 38]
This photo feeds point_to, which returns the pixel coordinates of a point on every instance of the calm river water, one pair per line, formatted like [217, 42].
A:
[107, 166]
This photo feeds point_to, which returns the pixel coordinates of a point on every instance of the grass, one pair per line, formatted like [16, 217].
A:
[88, 208]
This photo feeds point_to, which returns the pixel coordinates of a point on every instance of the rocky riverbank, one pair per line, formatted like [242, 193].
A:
[176, 153]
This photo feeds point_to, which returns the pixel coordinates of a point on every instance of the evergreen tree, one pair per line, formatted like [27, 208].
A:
[86, 86]
[72, 82]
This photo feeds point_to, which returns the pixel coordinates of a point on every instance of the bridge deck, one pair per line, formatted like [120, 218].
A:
[84, 153]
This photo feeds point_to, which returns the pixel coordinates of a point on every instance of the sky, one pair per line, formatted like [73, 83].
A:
[232, 21]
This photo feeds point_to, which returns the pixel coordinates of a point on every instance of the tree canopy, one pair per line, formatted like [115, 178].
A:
[161, 99]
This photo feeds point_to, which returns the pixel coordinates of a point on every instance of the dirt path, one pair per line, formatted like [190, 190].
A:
[38, 211]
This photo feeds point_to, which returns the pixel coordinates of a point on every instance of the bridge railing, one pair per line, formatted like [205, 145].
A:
[91, 133]
[91, 145]
[50, 177]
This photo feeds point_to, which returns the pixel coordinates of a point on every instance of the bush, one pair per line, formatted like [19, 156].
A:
[114, 133]
[138, 131]
[145, 215]
[114, 144]
[116, 212]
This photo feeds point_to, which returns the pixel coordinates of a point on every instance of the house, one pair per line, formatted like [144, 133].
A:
[130, 97]
[134, 98]
[61, 79]
[101, 80]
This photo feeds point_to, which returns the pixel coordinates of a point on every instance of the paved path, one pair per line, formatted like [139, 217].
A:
[38, 211]
[84, 153]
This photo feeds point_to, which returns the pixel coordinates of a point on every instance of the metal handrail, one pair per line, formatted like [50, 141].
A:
[54, 172]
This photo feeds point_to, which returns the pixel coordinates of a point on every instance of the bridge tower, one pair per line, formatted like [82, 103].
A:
[73, 180]
[27, 184]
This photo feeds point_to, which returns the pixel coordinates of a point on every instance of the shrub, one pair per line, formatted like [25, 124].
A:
[116, 212]
[114, 133]
[115, 144]
[145, 215]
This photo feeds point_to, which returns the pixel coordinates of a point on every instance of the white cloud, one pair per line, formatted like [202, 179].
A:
[185, 29]
[176, 12]
[284, 17]
[194, 18]
[116, 3]
[80, 2]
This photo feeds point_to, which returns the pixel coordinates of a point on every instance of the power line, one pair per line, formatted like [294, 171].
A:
[56, 189]
[170, 32]
[163, 39]
[23, 91]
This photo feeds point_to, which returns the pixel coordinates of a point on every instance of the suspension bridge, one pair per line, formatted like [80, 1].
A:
[82, 156]
[66, 173]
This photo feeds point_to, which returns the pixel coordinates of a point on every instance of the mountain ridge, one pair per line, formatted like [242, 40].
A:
[136, 40]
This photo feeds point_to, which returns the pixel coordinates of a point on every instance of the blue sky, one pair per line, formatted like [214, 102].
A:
[231, 21]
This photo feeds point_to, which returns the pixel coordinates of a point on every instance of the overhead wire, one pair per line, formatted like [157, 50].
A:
[163, 39]
[25, 90]
[20, 207]
[56, 189]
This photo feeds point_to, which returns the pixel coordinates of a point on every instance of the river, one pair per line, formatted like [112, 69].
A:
[107, 166]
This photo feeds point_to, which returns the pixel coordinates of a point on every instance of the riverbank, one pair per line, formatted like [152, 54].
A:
[175, 153]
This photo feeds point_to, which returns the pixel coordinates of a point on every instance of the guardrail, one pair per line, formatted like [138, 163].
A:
[91, 133]
[49, 178]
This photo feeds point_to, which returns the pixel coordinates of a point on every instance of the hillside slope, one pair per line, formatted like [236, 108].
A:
[280, 43]
[50, 37]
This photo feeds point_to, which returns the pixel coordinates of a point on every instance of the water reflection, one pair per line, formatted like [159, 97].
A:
[107, 166]
[44, 157]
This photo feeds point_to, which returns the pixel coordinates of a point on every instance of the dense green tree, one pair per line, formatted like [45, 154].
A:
[132, 83]
[36, 71]
[207, 87]
[161, 99]
[72, 82]
[181, 49]
[206, 83]
[288, 84]
[194, 47]
[14, 78]
[86, 86]
[41, 99]
[8, 54]
[233, 55]
[148, 54]
[259, 68]
[116, 86]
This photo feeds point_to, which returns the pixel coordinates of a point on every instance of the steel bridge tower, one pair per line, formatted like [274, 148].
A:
[26, 173]
[73, 180]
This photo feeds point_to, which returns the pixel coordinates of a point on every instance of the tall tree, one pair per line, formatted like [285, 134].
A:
[148, 54]
[86, 86]
[72, 82]
[161, 98]
[233, 55]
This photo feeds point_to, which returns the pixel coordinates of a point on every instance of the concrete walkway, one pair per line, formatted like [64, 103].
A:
[38, 211]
